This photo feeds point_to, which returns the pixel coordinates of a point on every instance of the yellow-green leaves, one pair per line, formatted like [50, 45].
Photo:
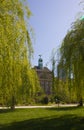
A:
[72, 51]
[14, 50]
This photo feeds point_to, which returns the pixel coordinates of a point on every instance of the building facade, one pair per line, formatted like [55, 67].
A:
[61, 73]
[45, 77]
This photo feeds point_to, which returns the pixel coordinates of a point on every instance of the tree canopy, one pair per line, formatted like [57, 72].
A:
[16, 75]
[72, 56]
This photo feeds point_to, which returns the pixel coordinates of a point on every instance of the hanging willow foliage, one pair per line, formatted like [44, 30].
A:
[72, 52]
[15, 51]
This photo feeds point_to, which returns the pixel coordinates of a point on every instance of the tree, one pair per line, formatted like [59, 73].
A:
[72, 53]
[53, 62]
[15, 49]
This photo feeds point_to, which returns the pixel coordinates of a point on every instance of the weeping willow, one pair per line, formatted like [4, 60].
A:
[72, 53]
[15, 51]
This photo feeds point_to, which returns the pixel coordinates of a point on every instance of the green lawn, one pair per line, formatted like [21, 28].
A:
[71, 118]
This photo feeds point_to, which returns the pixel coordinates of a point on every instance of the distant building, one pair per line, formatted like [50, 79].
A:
[61, 73]
[45, 76]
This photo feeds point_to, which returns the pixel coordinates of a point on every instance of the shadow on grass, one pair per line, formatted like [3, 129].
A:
[5, 110]
[69, 122]
[64, 108]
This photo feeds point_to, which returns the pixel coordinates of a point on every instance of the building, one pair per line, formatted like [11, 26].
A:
[61, 73]
[45, 76]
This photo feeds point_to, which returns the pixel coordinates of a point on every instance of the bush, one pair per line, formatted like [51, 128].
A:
[45, 100]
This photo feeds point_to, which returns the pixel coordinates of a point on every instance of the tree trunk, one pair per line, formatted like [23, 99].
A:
[81, 102]
[13, 103]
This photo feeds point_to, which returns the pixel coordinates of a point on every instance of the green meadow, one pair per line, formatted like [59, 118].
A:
[63, 118]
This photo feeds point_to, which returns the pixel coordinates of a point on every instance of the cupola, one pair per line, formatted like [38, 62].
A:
[40, 62]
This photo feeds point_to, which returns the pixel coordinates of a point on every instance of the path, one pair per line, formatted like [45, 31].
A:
[51, 106]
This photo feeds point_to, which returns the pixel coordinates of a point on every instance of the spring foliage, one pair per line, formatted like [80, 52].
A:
[72, 57]
[16, 77]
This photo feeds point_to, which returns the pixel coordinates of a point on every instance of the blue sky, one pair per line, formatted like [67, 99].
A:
[51, 20]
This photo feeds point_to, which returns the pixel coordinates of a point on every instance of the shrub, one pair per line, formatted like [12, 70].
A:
[45, 100]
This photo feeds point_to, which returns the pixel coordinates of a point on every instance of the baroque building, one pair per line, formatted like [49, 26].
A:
[45, 76]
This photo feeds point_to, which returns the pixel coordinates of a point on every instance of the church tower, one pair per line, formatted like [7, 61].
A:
[40, 62]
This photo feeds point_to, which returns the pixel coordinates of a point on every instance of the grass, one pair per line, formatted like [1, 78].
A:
[71, 118]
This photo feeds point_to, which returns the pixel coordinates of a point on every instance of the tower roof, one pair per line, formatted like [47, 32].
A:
[40, 62]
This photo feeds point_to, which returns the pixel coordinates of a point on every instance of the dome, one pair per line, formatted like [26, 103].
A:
[40, 60]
